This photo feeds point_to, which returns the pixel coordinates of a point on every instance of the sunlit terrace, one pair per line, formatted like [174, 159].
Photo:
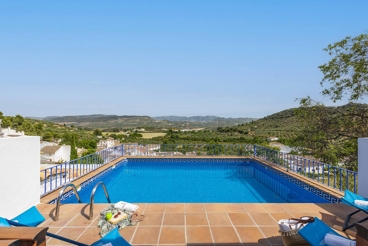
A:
[199, 223]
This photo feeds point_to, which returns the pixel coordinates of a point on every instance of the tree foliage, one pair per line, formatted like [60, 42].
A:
[73, 150]
[331, 133]
[347, 71]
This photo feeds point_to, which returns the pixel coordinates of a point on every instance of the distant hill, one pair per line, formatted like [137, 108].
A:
[285, 124]
[204, 119]
[130, 121]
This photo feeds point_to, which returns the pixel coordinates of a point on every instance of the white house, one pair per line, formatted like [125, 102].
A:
[45, 143]
[272, 139]
[58, 153]
[106, 143]
[8, 132]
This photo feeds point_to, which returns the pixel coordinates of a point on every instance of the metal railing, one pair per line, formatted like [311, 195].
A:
[188, 150]
[57, 209]
[332, 176]
[91, 200]
[56, 176]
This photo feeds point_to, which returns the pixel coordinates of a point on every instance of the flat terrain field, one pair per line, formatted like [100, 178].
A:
[152, 134]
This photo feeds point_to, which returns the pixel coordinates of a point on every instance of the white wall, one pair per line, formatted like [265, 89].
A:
[63, 153]
[19, 174]
[363, 167]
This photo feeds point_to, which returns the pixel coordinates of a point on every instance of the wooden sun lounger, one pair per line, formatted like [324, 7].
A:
[27, 235]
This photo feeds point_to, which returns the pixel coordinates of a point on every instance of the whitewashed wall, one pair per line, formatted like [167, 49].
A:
[63, 153]
[363, 167]
[19, 174]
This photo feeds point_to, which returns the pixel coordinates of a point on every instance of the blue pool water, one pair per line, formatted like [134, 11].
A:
[195, 180]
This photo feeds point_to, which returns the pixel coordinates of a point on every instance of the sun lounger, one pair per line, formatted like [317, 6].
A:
[349, 198]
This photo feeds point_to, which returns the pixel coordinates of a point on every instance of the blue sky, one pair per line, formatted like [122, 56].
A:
[225, 58]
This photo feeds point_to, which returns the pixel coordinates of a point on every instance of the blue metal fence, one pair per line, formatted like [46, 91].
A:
[56, 176]
[336, 177]
[332, 176]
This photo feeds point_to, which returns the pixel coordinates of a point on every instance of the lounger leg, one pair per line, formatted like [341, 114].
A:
[346, 226]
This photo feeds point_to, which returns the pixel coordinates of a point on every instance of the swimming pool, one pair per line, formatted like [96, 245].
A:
[212, 180]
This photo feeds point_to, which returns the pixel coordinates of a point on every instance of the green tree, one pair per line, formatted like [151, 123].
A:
[331, 133]
[347, 71]
[97, 132]
[73, 150]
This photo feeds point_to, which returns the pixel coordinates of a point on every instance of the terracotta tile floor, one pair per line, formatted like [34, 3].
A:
[194, 224]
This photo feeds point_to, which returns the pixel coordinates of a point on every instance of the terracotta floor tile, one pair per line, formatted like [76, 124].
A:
[175, 208]
[63, 220]
[73, 208]
[250, 235]
[172, 235]
[152, 219]
[172, 244]
[241, 219]
[127, 232]
[154, 208]
[80, 220]
[336, 207]
[219, 219]
[97, 208]
[196, 219]
[311, 207]
[280, 216]
[234, 208]
[214, 208]
[224, 235]
[298, 215]
[263, 242]
[146, 235]
[272, 234]
[263, 219]
[53, 230]
[174, 219]
[253, 208]
[46, 209]
[142, 207]
[95, 221]
[293, 207]
[199, 234]
[273, 208]
[71, 233]
[91, 235]
[194, 208]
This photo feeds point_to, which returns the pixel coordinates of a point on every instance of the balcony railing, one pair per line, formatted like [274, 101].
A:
[336, 177]
[56, 176]
[332, 176]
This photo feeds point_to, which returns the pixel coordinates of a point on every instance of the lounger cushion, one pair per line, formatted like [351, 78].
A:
[112, 237]
[4, 223]
[350, 197]
[31, 217]
[315, 232]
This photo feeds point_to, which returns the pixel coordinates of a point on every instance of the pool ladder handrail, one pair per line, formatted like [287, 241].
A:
[57, 210]
[91, 200]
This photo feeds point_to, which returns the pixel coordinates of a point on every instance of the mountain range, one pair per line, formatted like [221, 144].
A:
[130, 121]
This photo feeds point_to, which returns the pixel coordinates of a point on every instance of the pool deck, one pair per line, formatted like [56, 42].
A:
[195, 224]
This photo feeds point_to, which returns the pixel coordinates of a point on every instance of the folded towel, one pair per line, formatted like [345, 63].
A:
[334, 240]
[361, 203]
[288, 225]
[127, 206]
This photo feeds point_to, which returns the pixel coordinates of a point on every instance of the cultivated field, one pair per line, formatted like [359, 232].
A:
[152, 134]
